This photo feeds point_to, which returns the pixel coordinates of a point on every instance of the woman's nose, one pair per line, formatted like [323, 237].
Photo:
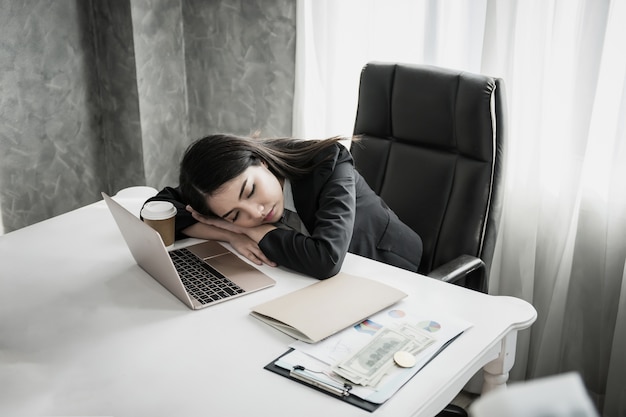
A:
[256, 211]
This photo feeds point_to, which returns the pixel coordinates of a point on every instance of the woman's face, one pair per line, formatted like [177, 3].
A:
[250, 199]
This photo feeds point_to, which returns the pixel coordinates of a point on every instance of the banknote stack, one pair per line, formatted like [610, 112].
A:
[369, 365]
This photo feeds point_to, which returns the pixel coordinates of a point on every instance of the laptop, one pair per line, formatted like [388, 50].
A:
[200, 276]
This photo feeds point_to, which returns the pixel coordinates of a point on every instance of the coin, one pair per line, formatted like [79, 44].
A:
[404, 359]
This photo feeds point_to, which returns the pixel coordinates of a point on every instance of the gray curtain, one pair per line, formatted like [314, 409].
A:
[102, 95]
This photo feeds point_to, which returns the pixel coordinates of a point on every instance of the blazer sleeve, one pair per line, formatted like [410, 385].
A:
[326, 203]
[184, 219]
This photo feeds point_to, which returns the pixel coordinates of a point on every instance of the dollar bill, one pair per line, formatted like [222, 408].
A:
[373, 361]
[365, 363]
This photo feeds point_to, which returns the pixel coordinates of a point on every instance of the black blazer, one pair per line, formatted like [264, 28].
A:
[341, 213]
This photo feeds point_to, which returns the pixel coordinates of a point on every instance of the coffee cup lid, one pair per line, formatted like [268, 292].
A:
[158, 210]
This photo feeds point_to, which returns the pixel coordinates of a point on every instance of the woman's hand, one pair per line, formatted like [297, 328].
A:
[249, 249]
[215, 221]
[255, 233]
[242, 239]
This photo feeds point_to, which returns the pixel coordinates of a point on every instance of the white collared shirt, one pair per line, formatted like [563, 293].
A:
[290, 217]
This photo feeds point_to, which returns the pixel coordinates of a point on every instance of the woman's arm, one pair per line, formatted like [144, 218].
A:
[255, 233]
[188, 226]
[240, 242]
[326, 202]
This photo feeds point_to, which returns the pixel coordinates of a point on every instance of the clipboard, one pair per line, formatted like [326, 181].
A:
[346, 397]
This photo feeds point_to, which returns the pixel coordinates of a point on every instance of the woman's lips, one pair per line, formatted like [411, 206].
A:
[269, 216]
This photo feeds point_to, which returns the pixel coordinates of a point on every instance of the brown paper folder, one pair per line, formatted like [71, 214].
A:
[326, 307]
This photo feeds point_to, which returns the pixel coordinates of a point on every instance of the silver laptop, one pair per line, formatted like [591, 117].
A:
[200, 275]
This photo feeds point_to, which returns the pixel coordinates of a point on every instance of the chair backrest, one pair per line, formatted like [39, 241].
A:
[432, 147]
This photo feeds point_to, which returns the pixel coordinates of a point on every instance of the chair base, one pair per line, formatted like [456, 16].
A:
[453, 410]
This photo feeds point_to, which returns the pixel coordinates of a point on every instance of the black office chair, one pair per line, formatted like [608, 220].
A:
[432, 147]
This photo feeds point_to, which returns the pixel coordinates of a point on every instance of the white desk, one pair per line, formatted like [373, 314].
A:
[84, 331]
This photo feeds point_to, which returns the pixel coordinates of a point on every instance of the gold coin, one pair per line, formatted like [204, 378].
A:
[404, 359]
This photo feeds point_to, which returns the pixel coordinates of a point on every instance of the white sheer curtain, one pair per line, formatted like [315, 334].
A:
[562, 245]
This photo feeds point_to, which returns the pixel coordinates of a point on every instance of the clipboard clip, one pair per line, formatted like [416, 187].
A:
[308, 376]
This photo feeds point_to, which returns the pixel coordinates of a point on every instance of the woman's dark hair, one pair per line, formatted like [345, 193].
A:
[212, 161]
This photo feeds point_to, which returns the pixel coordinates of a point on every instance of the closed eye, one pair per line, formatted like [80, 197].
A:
[234, 219]
[250, 194]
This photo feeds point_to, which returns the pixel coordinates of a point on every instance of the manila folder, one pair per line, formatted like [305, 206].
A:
[327, 307]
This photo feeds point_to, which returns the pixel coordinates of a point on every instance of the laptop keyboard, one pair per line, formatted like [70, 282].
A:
[203, 282]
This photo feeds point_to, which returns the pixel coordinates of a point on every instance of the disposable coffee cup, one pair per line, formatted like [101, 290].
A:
[160, 215]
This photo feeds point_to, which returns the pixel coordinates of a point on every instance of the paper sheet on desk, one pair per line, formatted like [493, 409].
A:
[322, 355]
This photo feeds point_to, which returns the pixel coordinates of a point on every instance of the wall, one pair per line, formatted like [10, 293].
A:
[100, 95]
[49, 110]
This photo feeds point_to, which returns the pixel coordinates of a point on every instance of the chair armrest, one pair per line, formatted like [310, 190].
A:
[462, 267]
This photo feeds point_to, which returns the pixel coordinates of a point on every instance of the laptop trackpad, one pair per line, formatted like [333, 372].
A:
[228, 264]
[246, 276]
[208, 249]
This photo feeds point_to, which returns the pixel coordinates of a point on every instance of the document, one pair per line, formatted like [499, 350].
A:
[361, 357]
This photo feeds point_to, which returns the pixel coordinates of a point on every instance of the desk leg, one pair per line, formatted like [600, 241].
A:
[496, 372]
